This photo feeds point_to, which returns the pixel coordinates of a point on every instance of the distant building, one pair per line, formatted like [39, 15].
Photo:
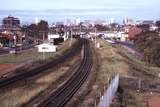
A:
[139, 22]
[9, 22]
[53, 36]
[77, 21]
[122, 36]
[57, 24]
[88, 23]
[145, 22]
[144, 27]
[153, 28]
[6, 38]
[111, 20]
[68, 22]
[36, 20]
[148, 22]
[128, 21]
[100, 22]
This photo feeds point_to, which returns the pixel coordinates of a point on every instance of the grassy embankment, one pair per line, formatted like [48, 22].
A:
[107, 62]
[112, 60]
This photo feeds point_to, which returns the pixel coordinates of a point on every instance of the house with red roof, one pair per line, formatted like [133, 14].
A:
[132, 31]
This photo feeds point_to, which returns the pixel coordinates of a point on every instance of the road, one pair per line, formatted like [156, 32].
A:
[4, 51]
[24, 47]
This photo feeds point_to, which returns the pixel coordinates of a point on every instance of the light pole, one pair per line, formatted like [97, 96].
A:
[21, 42]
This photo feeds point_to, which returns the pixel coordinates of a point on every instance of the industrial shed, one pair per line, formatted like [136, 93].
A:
[46, 47]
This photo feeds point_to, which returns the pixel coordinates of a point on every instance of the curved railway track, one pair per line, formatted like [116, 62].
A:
[64, 93]
[10, 80]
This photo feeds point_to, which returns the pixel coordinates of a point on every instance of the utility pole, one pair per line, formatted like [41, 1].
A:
[139, 84]
[80, 29]
[43, 42]
[71, 38]
[9, 43]
[43, 36]
[95, 37]
[21, 42]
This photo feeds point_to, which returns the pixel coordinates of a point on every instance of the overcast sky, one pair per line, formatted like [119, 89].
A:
[77, 4]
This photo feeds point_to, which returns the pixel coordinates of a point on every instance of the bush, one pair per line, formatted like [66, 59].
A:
[149, 44]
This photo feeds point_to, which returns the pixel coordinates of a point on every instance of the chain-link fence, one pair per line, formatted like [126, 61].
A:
[106, 99]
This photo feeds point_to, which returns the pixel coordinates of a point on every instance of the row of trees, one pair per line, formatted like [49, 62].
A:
[149, 44]
[157, 23]
[37, 31]
[111, 27]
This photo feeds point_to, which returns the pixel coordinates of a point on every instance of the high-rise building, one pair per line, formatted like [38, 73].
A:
[111, 20]
[77, 21]
[128, 21]
[68, 22]
[36, 20]
[100, 22]
[10, 22]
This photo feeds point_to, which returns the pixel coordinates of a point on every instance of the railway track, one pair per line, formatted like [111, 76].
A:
[26, 74]
[64, 93]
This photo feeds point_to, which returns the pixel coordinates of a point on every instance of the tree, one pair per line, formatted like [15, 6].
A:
[33, 30]
[114, 26]
[24, 28]
[101, 27]
[149, 44]
[157, 23]
[43, 28]
[144, 27]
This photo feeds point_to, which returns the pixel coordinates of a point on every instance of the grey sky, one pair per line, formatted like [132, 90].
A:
[77, 4]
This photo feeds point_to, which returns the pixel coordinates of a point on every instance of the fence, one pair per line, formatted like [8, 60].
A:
[106, 99]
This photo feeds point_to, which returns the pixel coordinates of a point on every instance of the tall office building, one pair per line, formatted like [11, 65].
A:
[77, 21]
[36, 20]
[128, 21]
[111, 20]
[10, 22]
